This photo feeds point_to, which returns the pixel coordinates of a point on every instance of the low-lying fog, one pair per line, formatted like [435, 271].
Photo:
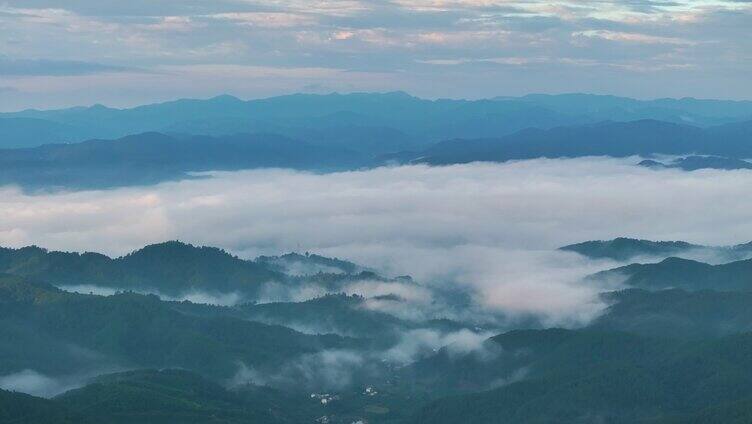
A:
[490, 227]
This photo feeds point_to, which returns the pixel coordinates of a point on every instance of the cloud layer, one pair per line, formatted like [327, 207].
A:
[488, 227]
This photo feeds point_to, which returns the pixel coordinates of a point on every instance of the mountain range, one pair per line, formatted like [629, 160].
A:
[683, 273]
[616, 139]
[406, 119]
[154, 157]
[175, 269]
[675, 349]
[100, 147]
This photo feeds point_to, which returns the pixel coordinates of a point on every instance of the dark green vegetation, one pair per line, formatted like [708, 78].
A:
[677, 313]
[592, 376]
[25, 409]
[297, 264]
[677, 350]
[175, 269]
[178, 396]
[684, 273]
[98, 147]
[133, 330]
[150, 396]
[338, 314]
[344, 315]
[625, 249]
[673, 269]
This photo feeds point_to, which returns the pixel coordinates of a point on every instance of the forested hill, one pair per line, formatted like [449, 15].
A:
[659, 354]
[684, 273]
[174, 269]
[626, 249]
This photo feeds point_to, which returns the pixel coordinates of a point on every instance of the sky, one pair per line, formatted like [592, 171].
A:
[57, 53]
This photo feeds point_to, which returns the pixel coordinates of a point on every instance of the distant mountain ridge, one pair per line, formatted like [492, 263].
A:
[170, 267]
[154, 157]
[150, 158]
[415, 121]
[616, 139]
[412, 120]
[99, 147]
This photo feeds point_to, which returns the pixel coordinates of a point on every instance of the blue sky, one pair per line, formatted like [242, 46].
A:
[57, 53]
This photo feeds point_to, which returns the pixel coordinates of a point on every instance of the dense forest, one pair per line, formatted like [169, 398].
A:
[656, 354]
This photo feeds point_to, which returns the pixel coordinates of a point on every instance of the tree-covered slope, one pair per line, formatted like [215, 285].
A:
[172, 268]
[613, 377]
[20, 408]
[677, 314]
[136, 330]
[623, 249]
[684, 274]
[176, 270]
[174, 396]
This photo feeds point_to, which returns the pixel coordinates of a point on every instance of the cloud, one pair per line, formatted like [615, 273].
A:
[278, 292]
[267, 19]
[36, 384]
[194, 296]
[128, 88]
[324, 370]
[38, 67]
[489, 228]
[629, 37]
[512, 61]
[335, 370]
[423, 342]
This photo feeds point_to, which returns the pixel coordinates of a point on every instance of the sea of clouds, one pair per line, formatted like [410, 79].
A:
[492, 228]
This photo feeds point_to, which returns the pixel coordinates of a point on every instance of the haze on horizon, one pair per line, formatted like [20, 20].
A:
[124, 54]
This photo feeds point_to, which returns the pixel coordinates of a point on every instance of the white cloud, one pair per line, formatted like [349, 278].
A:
[631, 37]
[491, 227]
[37, 384]
[324, 370]
[417, 343]
[267, 19]
[194, 296]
